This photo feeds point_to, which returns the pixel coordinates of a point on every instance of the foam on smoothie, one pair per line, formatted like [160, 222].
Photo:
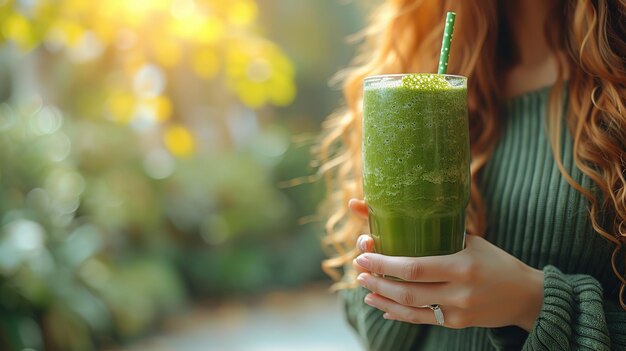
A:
[417, 81]
[425, 81]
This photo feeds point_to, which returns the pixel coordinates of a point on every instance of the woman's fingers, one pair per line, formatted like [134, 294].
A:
[365, 243]
[396, 311]
[405, 293]
[358, 207]
[430, 269]
[358, 268]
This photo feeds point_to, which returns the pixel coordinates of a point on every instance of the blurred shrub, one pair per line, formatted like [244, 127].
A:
[65, 275]
[92, 248]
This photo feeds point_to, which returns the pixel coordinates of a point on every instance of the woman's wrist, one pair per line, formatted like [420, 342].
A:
[533, 279]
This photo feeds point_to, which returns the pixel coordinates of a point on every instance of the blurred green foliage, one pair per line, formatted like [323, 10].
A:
[141, 145]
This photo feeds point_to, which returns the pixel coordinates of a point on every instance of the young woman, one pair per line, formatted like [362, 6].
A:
[544, 262]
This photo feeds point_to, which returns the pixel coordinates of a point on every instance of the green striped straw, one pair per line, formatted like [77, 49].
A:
[445, 43]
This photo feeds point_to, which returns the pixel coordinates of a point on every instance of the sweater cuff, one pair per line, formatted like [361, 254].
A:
[572, 313]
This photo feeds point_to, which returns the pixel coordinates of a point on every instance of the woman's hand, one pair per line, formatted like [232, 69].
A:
[480, 286]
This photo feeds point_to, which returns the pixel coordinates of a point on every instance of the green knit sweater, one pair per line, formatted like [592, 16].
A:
[535, 215]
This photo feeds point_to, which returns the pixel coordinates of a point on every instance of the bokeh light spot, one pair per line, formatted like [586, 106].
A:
[65, 187]
[17, 28]
[47, 121]
[149, 81]
[159, 164]
[253, 95]
[179, 141]
[57, 146]
[25, 235]
[242, 12]
[144, 117]
[210, 30]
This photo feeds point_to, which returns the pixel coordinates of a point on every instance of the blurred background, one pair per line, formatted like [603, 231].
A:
[148, 155]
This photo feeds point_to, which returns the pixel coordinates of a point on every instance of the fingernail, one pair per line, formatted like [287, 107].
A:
[363, 261]
[361, 279]
[361, 243]
[386, 315]
[368, 300]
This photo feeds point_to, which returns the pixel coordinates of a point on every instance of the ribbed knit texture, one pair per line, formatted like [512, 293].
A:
[535, 215]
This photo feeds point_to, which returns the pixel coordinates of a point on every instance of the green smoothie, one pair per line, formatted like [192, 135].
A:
[416, 162]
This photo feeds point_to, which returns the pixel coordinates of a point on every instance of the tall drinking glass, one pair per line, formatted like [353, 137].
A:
[416, 162]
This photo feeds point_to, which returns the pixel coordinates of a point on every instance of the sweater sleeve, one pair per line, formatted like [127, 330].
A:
[575, 316]
[375, 332]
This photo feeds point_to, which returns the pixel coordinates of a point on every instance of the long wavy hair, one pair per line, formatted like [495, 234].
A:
[588, 38]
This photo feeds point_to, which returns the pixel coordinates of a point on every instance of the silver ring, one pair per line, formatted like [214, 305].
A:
[438, 313]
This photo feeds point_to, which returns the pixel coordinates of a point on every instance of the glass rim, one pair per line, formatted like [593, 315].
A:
[400, 75]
